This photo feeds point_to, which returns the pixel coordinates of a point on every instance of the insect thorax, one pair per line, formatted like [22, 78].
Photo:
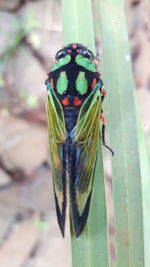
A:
[73, 77]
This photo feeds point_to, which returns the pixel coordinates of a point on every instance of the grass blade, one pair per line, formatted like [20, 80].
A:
[78, 23]
[92, 247]
[145, 174]
[120, 106]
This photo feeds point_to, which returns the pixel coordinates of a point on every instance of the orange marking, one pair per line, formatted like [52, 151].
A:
[103, 92]
[102, 118]
[52, 83]
[94, 83]
[96, 62]
[65, 101]
[77, 101]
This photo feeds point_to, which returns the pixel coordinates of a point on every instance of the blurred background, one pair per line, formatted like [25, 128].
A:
[30, 35]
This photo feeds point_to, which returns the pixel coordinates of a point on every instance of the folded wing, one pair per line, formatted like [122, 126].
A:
[83, 156]
[57, 137]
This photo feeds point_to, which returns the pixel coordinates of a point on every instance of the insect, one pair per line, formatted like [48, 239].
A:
[74, 108]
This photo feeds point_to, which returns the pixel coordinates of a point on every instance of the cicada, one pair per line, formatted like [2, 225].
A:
[74, 108]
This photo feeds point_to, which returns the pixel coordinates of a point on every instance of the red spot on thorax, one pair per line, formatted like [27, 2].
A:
[65, 101]
[77, 101]
[96, 62]
[102, 118]
[94, 82]
[70, 51]
[74, 45]
[52, 83]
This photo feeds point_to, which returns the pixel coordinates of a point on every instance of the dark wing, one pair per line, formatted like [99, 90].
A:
[57, 136]
[83, 156]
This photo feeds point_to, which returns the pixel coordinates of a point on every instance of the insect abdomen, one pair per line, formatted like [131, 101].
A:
[71, 116]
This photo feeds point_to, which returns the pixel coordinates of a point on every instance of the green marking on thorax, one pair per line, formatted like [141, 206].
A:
[62, 83]
[61, 62]
[86, 63]
[81, 83]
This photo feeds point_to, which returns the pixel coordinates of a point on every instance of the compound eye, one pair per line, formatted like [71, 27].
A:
[61, 53]
[89, 54]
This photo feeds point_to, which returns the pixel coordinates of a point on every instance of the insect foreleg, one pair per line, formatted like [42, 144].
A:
[103, 140]
[103, 94]
[103, 130]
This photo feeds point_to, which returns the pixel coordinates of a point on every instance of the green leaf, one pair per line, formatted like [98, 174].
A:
[78, 23]
[91, 249]
[145, 174]
[2, 82]
[122, 126]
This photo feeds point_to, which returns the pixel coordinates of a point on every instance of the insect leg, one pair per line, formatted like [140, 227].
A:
[103, 140]
[103, 94]
[103, 133]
